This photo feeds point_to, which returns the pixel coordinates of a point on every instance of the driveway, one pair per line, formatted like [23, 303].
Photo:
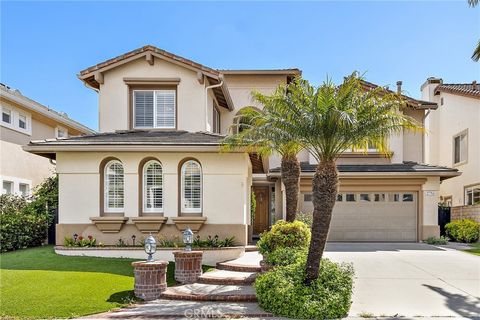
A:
[411, 279]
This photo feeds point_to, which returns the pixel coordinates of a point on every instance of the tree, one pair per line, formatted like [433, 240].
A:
[327, 121]
[476, 52]
[253, 131]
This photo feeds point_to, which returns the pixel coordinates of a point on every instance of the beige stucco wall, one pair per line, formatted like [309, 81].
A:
[458, 113]
[226, 185]
[413, 141]
[114, 95]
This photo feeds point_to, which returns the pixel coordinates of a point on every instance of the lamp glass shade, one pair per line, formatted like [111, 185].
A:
[187, 236]
[150, 245]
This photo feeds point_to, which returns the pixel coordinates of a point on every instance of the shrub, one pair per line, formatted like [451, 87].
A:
[294, 235]
[305, 217]
[20, 225]
[437, 240]
[213, 242]
[82, 242]
[286, 256]
[465, 230]
[282, 292]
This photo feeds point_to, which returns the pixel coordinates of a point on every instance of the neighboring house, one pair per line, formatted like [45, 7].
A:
[454, 138]
[24, 120]
[156, 165]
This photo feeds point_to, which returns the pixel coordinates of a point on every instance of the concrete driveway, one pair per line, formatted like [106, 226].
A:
[411, 279]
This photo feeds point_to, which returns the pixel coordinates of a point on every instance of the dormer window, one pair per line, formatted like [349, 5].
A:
[154, 109]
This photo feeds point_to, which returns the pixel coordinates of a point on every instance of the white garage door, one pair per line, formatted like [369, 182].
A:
[373, 216]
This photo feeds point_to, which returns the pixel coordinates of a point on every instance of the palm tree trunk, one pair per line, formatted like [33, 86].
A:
[325, 184]
[291, 178]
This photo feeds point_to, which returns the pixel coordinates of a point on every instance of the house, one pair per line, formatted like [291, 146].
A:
[156, 165]
[454, 131]
[23, 120]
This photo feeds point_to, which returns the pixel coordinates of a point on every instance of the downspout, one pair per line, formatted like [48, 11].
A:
[206, 99]
[425, 135]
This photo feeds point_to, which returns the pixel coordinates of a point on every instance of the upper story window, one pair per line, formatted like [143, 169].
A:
[7, 187]
[152, 187]
[6, 115]
[22, 121]
[191, 187]
[216, 120]
[114, 186]
[154, 109]
[460, 148]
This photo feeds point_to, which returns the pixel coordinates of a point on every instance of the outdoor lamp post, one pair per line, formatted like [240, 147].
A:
[150, 247]
[75, 236]
[133, 240]
[188, 239]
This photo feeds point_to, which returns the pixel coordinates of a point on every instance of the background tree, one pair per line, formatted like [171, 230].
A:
[253, 131]
[476, 52]
[328, 120]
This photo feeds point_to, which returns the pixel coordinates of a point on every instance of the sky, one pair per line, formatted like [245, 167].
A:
[45, 44]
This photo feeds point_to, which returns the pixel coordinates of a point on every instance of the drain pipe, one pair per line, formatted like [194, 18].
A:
[206, 99]
[424, 137]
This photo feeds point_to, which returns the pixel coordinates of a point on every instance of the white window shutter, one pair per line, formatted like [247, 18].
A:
[144, 109]
[165, 108]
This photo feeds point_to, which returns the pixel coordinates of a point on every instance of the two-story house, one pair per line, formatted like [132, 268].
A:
[24, 120]
[157, 165]
[453, 139]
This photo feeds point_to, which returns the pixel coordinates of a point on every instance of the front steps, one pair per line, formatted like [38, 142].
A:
[232, 281]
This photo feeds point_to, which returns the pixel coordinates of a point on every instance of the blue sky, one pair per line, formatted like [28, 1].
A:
[45, 44]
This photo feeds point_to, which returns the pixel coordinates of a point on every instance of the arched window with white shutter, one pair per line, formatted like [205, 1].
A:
[191, 187]
[114, 196]
[152, 187]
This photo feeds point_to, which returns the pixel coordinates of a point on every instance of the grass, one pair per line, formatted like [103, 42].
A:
[37, 283]
[474, 249]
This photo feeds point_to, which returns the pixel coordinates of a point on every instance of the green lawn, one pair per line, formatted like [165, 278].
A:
[37, 283]
[475, 249]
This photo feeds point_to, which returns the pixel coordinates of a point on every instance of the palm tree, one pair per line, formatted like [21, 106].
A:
[476, 52]
[329, 120]
[253, 132]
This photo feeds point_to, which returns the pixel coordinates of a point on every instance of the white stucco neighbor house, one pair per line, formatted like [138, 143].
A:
[156, 165]
[454, 137]
[23, 120]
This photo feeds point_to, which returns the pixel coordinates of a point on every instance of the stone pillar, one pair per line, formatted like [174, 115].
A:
[188, 266]
[150, 279]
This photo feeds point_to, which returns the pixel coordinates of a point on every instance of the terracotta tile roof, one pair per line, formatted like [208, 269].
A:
[465, 89]
[411, 102]
[143, 50]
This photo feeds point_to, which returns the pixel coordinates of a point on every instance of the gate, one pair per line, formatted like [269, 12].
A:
[443, 218]
[52, 226]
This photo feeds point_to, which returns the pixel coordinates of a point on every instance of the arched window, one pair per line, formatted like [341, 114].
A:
[152, 187]
[114, 186]
[191, 187]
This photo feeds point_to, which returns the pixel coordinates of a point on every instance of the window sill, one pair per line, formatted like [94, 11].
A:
[192, 222]
[459, 164]
[149, 224]
[110, 223]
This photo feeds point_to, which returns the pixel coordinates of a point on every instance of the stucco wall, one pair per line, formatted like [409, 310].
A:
[413, 141]
[457, 114]
[226, 185]
[466, 212]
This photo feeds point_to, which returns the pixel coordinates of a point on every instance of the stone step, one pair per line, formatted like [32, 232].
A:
[230, 266]
[251, 248]
[225, 277]
[210, 292]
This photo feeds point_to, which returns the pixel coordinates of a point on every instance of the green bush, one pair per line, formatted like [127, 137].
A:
[286, 256]
[436, 240]
[294, 235]
[465, 230]
[305, 217]
[282, 292]
[20, 225]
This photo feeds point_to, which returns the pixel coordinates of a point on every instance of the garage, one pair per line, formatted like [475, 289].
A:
[372, 216]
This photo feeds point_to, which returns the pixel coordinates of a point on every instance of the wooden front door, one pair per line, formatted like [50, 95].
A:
[260, 223]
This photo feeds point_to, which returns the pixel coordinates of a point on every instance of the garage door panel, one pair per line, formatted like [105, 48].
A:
[394, 218]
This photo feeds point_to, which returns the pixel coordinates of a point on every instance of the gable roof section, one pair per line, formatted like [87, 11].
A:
[471, 90]
[411, 102]
[17, 97]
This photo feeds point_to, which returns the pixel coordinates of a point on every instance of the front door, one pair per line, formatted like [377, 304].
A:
[260, 222]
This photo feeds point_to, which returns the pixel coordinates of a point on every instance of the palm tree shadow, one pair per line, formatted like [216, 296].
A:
[465, 306]
[123, 297]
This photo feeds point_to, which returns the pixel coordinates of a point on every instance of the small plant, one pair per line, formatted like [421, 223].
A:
[253, 206]
[69, 242]
[305, 217]
[366, 315]
[82, 242]
[295, 235]
[436, 240]
[169, 241]
[465, 230]
[213, 242]
[121, 243]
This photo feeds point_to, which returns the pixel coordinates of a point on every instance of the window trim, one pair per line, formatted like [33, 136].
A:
[216, 127]
[59, 128]
[461, 162]
[10, 111]
[103, 199]
[12, 186]
[14, 123]
[142, 186]
[150, 87]
[469, 187]
[183, 211]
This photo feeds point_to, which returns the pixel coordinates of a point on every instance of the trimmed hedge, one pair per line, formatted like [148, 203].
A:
[294, 235]
[465, 230]
[20, 225]
[282, 292]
